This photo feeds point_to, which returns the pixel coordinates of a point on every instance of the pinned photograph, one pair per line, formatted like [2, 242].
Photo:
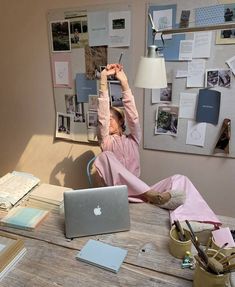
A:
[218, 77]
[60, 35]
[93, 102]
[118, 23]
[79, 113]
[212, 78]
[92, 119]
[163, 95]
[63, 123]
[79, 31]
[95, 57]
[224, 78]
[70, 103]
[166, 93]
[167, 120]
[115, 94]
[184, 19]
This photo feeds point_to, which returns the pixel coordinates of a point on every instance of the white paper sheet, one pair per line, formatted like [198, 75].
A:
[97, 28]
[231, 64]
[196, 133]
[119, 29]
[61, 73]
[202, 44]
[196, 70]
[187, 105]
[163, 21]
[181, 74]
[186, 50]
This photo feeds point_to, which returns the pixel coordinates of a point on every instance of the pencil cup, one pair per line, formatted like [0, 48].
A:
[226, 251]
[178, 248]
[204, 278]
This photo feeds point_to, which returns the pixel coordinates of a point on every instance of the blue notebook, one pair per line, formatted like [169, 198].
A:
[24, 217]
[102, 255]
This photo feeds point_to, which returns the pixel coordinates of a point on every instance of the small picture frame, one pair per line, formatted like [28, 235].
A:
[60, 36]
[9, 243]
[115, 94]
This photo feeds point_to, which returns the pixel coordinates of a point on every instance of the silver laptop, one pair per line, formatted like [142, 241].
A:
[96, 211]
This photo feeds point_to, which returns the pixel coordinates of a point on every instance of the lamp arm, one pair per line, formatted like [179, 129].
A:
[198, 28]
[154, 31]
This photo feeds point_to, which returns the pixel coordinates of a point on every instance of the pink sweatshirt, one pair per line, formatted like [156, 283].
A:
[126, 147]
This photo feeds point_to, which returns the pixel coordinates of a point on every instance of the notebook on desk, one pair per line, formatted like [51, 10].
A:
[96, 211]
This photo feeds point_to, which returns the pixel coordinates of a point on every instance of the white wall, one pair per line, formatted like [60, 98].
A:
[27, 114]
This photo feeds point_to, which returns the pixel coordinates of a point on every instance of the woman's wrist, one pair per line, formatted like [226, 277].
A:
[125, 86]
[103, 83]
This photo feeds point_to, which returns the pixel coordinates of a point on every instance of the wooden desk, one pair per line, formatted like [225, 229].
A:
[50, 258]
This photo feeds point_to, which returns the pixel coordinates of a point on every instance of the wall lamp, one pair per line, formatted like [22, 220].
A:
[151, 72]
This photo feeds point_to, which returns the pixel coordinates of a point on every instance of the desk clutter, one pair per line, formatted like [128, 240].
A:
[26, 202]
[211, 264]
[214, 263]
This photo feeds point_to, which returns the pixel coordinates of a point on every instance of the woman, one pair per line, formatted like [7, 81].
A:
[119, 161]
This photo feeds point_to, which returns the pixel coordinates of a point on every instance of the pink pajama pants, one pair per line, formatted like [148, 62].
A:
[195, 207]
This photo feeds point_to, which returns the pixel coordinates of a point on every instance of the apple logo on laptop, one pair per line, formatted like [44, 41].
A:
[97, 210]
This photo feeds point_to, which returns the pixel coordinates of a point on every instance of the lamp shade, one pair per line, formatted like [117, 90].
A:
[151, 73]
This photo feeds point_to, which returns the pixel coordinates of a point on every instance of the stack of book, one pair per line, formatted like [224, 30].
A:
[11, 251]
[14, 187]
[47, 196]
[24, 217]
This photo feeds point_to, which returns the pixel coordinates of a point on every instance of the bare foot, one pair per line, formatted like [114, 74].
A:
[158, 198]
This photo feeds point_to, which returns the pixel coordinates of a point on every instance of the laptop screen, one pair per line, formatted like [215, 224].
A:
[96, 210]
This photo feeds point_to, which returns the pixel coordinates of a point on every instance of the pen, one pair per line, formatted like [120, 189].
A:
[120, 58]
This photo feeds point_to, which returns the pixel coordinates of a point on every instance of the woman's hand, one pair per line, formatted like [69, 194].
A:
[121, 76]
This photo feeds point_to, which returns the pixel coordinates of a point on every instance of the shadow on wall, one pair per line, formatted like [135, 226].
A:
[73, 171]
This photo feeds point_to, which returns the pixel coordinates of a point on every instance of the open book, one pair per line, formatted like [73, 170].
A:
[14, 186]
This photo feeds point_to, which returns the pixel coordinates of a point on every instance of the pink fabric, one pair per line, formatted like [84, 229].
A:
[195, 208]
[119, 164]
[126, 147]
